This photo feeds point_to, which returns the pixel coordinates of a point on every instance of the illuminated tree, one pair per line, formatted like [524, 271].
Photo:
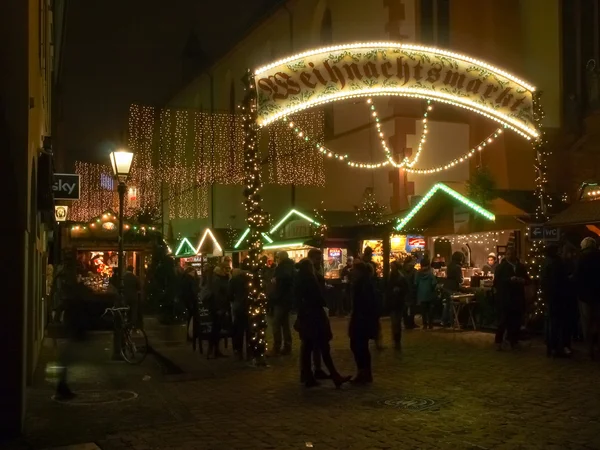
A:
[369, 211]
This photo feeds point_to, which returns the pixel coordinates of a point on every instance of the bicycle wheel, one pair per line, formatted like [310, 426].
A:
[134, 347]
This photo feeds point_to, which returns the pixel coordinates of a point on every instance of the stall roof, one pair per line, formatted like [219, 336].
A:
[580, 213]
[207, 238]
[267, 237]
[430, 204]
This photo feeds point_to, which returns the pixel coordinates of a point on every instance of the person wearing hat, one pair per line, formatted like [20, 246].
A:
[492, 264]
[587, 283]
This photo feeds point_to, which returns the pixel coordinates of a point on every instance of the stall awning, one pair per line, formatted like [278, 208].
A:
[580, 213]
[433, 202]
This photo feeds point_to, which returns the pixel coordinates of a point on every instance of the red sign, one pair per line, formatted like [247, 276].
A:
[334, 252]
[416, 242]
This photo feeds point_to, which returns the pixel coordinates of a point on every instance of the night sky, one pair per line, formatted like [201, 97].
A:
[121, 52]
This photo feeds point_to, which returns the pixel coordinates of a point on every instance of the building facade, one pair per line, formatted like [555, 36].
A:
[513, 35]
[28, 56]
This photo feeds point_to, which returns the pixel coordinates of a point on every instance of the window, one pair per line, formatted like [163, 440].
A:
[427, 22]
[435, 22]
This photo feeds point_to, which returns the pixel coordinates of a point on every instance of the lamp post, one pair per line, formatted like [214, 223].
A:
[121, 165]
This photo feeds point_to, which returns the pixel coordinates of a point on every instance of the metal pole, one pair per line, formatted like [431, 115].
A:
[119, 301]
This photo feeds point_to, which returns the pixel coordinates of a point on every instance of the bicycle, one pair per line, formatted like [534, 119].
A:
[134, 342]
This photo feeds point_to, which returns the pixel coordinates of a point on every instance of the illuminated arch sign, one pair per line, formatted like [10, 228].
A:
[386, 68]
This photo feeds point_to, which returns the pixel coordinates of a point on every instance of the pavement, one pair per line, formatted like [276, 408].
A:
[446, 390]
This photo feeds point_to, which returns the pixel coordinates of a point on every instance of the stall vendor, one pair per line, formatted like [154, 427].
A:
[492, 263]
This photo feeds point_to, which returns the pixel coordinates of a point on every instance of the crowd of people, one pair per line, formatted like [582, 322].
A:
[299, 290]
[571, 292]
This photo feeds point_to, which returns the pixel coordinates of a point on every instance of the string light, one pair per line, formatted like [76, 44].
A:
[461, 159]
[97, 192]
[535, 257]
[257, 221]
[406, 162]
[293, 161]
[307, 139]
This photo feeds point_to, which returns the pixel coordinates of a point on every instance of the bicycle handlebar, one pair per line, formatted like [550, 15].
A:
[113, 309]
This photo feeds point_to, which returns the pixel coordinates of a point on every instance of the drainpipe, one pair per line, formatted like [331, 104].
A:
[291, 26]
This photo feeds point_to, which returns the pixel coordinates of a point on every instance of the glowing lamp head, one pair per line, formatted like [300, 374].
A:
[121, 164]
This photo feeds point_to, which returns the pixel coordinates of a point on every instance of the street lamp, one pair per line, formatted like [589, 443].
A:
[121, 164]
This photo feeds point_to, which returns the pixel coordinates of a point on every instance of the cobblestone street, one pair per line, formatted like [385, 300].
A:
[446, 390]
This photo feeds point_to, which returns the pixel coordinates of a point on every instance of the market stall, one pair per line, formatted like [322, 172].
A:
[451, 222]
[207, 248]
[95, 245]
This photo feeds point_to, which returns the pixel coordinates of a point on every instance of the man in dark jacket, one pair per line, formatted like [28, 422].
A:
[588, 292]
[452, 284]
[316, 257]
[238, 295]
[409, 272]
[396, 296]
[509, 280]
[282, 304]
[554, 284]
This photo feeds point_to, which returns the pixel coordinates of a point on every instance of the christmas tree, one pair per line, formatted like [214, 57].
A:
[369, 211]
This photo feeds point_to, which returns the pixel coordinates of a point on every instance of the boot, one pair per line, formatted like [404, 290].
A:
[63, 392]
[320, 374]
[338, 380]
[361, 377]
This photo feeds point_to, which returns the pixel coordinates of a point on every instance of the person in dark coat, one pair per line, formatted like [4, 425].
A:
[426, 283]
[282, 304]
[554, 282]
[367, 258]
[572, 330]
[313, 325]
[452, 284]
[131, 294]
[396, 295]
[189, 296]
[510, 280]
[219, 307]
[587, 281]
[238, 295]
[364, 321]
[409, 272]
[316, 257]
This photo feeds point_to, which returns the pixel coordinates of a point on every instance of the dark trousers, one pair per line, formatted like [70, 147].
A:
[396, 317]
[362, 356]
[555, 333]
[427, 314]
[308, 349]
[510, 322]
[215, 331]
[240, 332]
[409, 316]
[281, 328]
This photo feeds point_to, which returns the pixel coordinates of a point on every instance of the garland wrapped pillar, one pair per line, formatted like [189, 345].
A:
[536, 250]
[256, 219]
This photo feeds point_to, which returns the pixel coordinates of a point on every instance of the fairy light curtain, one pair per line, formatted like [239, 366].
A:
[98, 192]
[144, 177]
[294, 161]
[191, 150]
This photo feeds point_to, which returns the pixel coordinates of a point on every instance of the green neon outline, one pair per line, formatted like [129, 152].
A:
[241, 240]
[283, 245]
[440, 186]
[289, 214]
[183, 241]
